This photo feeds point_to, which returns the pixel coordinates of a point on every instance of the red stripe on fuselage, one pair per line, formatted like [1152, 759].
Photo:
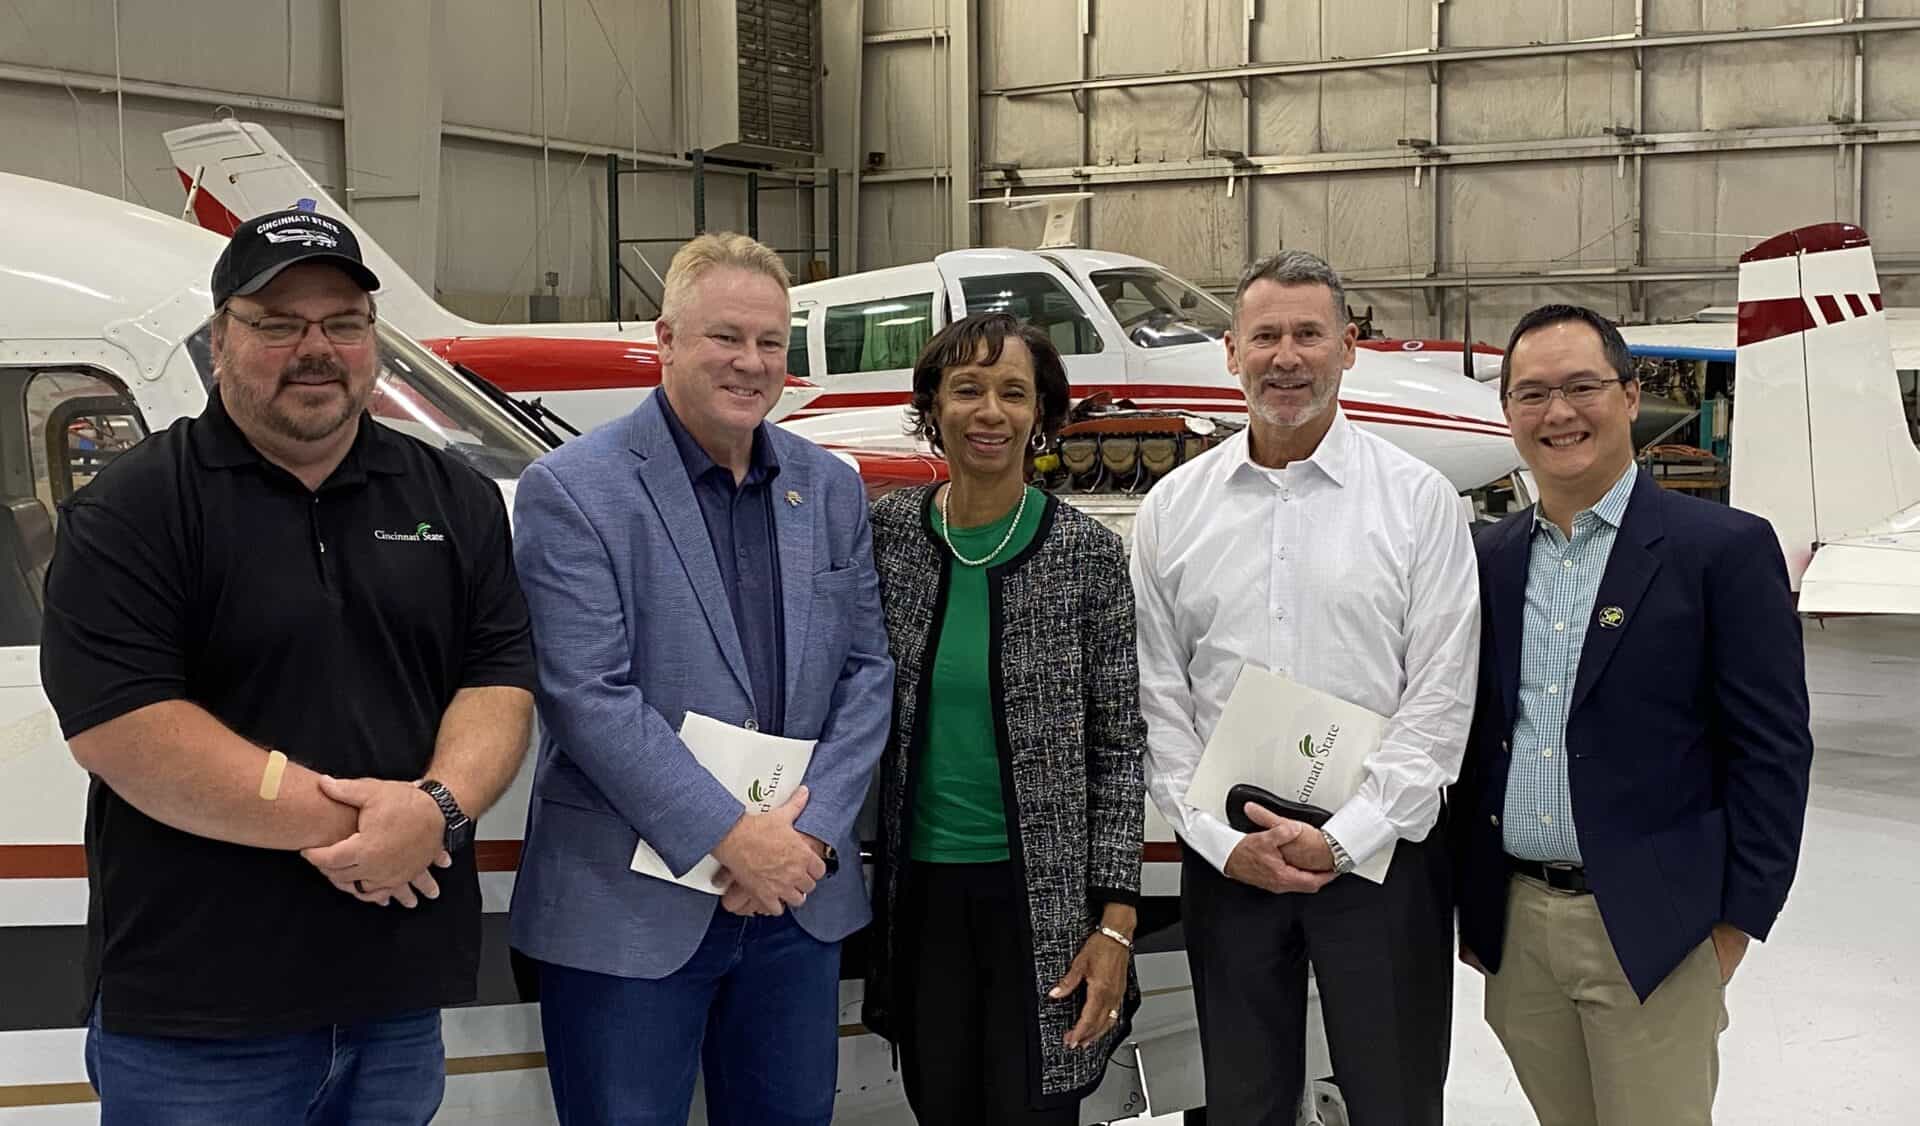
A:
[69, 862]
[1187, 395]
[1829, 308]
[1360, 416]
[530, 365]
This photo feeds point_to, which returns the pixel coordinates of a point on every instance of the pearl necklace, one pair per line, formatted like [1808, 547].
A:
[946, 529]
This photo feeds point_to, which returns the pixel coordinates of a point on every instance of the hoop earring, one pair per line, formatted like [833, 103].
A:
[933, 434]
[1038, 442]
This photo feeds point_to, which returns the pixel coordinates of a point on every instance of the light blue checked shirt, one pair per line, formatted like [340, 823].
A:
[1563, 578]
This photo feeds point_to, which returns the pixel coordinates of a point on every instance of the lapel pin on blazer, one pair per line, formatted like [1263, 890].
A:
[793, 498]
[1612, 617]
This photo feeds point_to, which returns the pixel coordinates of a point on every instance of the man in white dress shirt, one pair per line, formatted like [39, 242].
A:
[1309, 547]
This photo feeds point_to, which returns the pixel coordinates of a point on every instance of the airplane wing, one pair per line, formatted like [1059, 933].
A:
[1692, 341]
[1679, 352]
[1865, 575]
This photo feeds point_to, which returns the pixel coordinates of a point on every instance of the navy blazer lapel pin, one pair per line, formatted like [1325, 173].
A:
[793, 498]
[1612, 617]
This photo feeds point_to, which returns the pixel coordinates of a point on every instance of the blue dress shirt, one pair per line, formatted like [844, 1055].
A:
[739, 519]
[1563, 578]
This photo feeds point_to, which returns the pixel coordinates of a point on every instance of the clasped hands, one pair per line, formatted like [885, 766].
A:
[392, 852]
[1283, 856]
[766, 865]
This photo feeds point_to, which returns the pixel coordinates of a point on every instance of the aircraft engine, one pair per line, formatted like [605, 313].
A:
[1112, 446]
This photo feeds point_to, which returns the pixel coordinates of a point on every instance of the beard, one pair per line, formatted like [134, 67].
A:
[278, 412]
[1325, 387]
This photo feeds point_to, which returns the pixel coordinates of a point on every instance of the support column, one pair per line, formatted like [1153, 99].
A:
[390, 57]
[841, 50]
[963, 112]
[1637, 293]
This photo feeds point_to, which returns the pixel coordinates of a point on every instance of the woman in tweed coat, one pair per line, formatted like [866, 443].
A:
[1011, 795]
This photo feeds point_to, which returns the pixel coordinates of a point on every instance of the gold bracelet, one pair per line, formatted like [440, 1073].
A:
[270, 780]
[1114, 935]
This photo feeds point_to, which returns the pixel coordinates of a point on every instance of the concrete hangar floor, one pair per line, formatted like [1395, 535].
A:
[1824, 1019]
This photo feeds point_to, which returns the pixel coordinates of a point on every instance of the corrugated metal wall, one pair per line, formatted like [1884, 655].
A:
[1629, 177]
[1655, 165]
[580, 73]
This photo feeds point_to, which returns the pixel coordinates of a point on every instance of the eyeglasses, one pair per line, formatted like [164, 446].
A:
[1577, 392]
[279, 330]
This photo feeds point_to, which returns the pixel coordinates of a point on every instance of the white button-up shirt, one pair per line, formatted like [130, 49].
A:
[1351, 571]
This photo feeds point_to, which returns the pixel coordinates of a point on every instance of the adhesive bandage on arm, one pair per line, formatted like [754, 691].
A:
[270, 780]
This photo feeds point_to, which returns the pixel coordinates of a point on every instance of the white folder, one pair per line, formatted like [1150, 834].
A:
[1295, 741]
[761, 770]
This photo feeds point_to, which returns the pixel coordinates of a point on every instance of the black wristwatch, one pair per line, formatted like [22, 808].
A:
[459, 826]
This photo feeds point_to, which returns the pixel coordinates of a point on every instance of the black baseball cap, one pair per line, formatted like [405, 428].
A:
[264, 246]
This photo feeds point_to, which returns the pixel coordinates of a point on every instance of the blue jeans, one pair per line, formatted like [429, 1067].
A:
[389, 1072]
[757, 1003]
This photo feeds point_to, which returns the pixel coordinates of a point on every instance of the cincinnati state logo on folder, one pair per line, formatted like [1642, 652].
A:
[1318, 754]
[761, 792]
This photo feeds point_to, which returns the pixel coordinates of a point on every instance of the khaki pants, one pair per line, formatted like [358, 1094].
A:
[1587, 1052]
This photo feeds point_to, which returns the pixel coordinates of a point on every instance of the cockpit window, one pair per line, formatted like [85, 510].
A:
[1157, 310]
[417, 394]
[1042, 302]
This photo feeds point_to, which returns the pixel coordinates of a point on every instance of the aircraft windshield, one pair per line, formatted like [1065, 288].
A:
[1157, 310]
[419, 395]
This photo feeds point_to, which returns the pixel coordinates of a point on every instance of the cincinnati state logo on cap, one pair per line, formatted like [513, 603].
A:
[303, 227]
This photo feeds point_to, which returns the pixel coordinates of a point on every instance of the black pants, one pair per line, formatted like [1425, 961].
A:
[1382, 955]
[965, 1046]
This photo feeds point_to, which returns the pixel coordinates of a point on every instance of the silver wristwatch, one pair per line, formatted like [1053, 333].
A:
[1342, 863]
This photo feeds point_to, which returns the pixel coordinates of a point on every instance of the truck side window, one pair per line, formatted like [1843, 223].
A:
[878, 335]
[1040, 301]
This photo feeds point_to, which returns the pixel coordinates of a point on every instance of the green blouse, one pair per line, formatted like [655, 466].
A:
[959, 814]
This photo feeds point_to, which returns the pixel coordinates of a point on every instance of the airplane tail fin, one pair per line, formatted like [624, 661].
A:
[236, 170]
[1820, 442]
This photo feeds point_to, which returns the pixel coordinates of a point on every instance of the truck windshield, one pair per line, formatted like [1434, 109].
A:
[1157, 310]
[417, 394]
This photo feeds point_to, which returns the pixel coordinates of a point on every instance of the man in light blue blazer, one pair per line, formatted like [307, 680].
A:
[690, 557]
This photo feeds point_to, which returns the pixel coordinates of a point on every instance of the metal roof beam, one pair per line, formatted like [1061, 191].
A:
[1603, 147]
[1428, 57]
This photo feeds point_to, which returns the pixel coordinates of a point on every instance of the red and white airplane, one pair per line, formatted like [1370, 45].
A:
[1441, 354]
[104, 338]
[1126, 327]
[1820, 440]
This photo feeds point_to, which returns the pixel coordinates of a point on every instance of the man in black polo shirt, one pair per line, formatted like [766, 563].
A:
[289, 645]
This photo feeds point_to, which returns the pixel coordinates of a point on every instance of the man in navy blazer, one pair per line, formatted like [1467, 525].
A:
[1630, 809]
[690, 557]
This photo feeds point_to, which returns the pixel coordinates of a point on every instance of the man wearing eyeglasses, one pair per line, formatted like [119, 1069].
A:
[288, 644]
[1630, 809]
